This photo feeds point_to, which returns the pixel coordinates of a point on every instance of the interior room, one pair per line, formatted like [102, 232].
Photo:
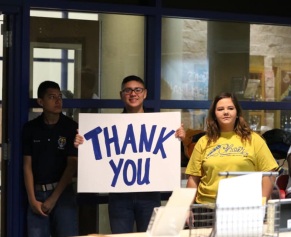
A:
[186, 53]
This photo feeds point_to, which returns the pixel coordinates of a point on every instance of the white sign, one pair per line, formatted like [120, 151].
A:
[135, 152]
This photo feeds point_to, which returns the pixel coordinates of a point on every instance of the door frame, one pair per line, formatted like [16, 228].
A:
[14, 111]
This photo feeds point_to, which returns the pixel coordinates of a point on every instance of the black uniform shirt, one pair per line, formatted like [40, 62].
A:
[49, 147]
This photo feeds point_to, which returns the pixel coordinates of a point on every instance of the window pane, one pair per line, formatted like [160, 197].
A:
[200, 59]
[122, 51]
[185, 70]
[76, 45]
[191, 118]
[47, 53]
[43, 71]
[70, 43]
[50, 14]
[83, 16]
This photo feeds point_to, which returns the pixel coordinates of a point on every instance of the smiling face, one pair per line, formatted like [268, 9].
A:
[133, 99]
[226, 114]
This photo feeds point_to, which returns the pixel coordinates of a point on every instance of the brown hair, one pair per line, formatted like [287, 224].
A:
[241, 127]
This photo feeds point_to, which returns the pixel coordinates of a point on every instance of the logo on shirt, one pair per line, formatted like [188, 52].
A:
[226, 150]
[62, 142]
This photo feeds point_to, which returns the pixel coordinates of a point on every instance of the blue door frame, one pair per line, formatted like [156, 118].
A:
[14, 112]
[17, 103]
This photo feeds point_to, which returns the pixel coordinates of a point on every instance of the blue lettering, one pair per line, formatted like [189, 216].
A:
[146, 172]
[161, 139]
[136, 171]
[145, 141]
[143, 138]
[116, 170]
[129, 140]
[125, 172]
[93, 135]
[114, 140]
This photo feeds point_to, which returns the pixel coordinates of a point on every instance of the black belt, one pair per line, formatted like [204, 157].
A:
[45, 187]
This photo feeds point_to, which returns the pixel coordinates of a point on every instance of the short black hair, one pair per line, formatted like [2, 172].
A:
[132, 78]
[44, 86]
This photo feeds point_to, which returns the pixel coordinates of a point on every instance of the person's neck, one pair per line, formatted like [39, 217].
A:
[134, 110]
[51, 118]
[226, 130]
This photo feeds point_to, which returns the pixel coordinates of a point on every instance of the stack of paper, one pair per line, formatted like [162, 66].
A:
[239, 210]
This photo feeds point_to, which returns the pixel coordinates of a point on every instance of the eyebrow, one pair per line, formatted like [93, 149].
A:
[54, 94]
[228, 106]
[133, 87]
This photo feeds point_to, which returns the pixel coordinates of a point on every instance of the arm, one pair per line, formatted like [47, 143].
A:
[29, 185]
[193, 182]
[265, 162]
[267, 186]
[65, 180]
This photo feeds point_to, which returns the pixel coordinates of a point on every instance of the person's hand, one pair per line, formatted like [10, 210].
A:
[180, 133]
[48, 205]
[78, 140]
[36, 207]
[190, 219]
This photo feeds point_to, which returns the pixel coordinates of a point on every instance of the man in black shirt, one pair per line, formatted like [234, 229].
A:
[50, 162]
[127, 209]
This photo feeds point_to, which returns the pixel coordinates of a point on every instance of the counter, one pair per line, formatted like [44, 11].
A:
[184, 233]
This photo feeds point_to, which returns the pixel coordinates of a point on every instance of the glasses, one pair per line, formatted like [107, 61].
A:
[136, 90]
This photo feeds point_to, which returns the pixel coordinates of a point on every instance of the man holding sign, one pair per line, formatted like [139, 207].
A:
[128, 207]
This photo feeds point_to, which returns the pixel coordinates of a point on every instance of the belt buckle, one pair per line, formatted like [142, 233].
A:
[49, 187]
[43, 187]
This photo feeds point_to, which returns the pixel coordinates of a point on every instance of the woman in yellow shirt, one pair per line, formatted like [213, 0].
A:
[229, 145]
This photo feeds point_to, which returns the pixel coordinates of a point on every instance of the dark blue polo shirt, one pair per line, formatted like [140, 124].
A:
[49, 147]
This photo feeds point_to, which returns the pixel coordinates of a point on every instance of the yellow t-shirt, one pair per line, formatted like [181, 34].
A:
[228, 153]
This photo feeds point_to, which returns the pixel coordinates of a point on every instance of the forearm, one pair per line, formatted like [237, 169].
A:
[267, 186]
[66, 178]
[28, 179]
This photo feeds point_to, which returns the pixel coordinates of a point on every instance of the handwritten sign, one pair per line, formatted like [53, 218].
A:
[129, 152]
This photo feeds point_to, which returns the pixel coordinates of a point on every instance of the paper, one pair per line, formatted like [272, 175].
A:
[169, 220]
[239, 209]
[242, 191]
[125, 152]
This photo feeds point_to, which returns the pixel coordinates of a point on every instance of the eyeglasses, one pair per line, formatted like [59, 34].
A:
[136, 90]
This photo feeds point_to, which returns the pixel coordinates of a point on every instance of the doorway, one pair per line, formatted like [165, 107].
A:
[69, 55]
